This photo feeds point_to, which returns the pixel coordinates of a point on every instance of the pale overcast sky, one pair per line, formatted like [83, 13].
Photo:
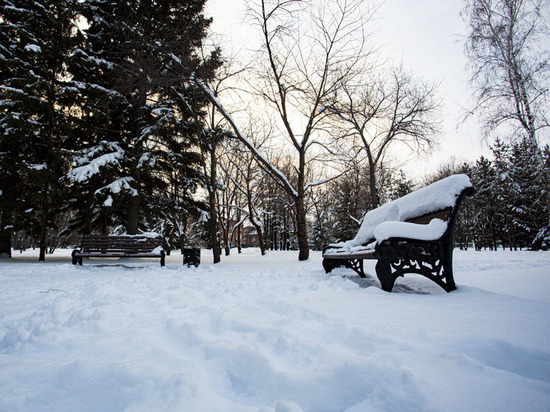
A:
[425, 35]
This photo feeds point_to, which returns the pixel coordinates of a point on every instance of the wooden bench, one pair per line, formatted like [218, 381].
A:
[120, 246]
[412, 234]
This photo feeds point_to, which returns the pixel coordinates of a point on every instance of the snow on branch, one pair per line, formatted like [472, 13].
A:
[118, 185]
[277, 174]
[317, 183]
[85, 172]
[323, 181]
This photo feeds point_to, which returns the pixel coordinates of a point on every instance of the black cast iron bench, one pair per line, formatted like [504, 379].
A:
[412, 234]
[120, 246]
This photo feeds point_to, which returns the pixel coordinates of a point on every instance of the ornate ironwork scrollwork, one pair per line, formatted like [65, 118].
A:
[356, 265]
[399, 256]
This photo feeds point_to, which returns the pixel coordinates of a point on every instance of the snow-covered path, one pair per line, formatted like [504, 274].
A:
[273, 334]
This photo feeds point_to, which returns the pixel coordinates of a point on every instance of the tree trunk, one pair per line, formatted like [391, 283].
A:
[509, 230]
[43, 232]
[265, 234]
[260, 238]
[301, 229]
[286, 242]
[87, 224]
[5, 242]
[256, 226]
[224, 223]
[239, 246]
[132, 227]
[213, 230]
[104, 224]
[216, 250]
[374, 198]
[6, 221]
[301, 223]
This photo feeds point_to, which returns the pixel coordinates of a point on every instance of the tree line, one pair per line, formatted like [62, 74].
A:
[510, 208]
[114, 118]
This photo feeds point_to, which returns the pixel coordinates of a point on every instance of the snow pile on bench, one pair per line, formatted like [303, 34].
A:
[432, 231]
[389, 220]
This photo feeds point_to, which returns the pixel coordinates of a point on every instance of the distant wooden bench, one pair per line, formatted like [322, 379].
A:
[120, 246]
[412, 234]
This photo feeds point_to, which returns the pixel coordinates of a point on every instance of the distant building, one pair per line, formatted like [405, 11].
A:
[250, 237]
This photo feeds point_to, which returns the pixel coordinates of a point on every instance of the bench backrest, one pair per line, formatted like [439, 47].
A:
[120, 244]
[437, 200]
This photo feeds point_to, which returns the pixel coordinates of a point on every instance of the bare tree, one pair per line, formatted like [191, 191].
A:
[307, 57]
[229, 195]
[213, 136]
[248, 181]
[507, 49]
[376, 113]
[303, 67]
[507, 46]
[208, 146]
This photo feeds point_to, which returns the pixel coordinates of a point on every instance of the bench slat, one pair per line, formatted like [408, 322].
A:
[351, 255]
[152, 255]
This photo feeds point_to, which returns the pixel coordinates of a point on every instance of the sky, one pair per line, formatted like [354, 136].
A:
[426, 36]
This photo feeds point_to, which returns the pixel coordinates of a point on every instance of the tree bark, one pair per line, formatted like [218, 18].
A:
[256, 226]
[132, 227]
[239, 229]
[87, 223]
[301, 229]
[301, 222]
[5, 242]
[216, 250]
[374, 198]
[43, 232]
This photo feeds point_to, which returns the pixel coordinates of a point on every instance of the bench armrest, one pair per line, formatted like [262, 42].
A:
[432, 231]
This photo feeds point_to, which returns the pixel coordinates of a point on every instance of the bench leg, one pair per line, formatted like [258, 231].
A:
[432, 260]
[74, 258]
[385, 276]
[447, 280]
[329, 264]
[162, 259]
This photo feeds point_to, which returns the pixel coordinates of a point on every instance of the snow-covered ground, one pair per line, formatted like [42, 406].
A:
[272, 334]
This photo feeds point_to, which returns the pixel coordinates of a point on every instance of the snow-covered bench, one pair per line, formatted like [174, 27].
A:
[120, 246]
[412, 234]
